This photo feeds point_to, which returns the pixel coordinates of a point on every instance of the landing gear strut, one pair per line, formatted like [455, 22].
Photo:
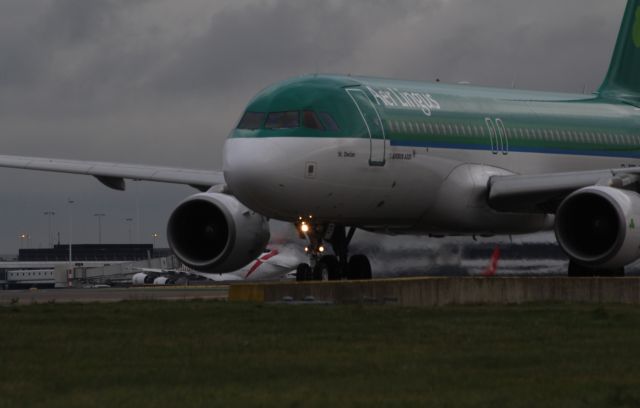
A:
[323, 266]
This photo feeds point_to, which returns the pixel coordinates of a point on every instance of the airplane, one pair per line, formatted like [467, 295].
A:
[273, 264]
[333, 154]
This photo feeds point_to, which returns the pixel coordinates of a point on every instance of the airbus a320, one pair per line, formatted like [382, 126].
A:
[334, 154]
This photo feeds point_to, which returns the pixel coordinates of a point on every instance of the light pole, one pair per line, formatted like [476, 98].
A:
[24, 238]
[50, 215]
[155, 236]
[99, 217]
[137, 187]
[129, 222]
[70, 202]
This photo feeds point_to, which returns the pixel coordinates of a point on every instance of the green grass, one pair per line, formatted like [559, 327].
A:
[209, 354]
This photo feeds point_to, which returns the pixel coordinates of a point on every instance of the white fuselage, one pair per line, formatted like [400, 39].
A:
[439, 191]
[272, 265]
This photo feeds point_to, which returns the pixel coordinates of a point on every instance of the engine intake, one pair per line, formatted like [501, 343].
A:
[213, 232]
[596, 226]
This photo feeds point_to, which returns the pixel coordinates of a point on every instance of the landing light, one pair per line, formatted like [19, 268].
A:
[304, 227]
[321, 248]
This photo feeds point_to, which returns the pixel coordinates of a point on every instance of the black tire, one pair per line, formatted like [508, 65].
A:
[321, 272]
[331, 268]
[359, 268]
[304, 273]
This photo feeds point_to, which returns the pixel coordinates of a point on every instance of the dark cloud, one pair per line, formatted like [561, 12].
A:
[162, 82]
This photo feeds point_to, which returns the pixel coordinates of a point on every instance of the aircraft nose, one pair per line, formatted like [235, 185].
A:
[252, 169]
[246, 159]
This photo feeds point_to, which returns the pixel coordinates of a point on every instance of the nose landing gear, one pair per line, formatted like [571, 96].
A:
[337, 266]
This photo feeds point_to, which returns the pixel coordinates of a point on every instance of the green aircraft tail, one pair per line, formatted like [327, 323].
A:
[623, 80]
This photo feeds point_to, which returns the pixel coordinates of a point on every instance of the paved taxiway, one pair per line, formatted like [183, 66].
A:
[220, 292]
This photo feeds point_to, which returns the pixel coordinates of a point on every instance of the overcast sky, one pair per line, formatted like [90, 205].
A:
[163, 81]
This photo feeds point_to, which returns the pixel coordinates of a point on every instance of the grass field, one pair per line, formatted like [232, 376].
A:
[215, 354]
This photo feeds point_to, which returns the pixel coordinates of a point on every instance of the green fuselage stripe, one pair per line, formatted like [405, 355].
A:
[456, 117]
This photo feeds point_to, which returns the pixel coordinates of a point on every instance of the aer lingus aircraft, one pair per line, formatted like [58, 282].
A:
[337, 153]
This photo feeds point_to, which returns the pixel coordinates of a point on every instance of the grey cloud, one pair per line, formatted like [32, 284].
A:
[246, 45]
[91, 56]
[72, 22]
[542, 44]
[162, 81]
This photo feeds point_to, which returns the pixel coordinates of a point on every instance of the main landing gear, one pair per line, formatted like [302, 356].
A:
[327, 267]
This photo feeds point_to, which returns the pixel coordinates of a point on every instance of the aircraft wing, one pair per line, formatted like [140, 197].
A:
[542, 193]
[113, 174]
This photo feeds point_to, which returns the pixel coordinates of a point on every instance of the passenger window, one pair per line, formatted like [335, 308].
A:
[310, 120]
[252, 120]
[329, 123]
[283, 120]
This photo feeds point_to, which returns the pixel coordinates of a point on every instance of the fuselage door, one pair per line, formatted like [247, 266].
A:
[373, 123]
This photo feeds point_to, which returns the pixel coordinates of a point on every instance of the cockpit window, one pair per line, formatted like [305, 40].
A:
[310, 120]
[329, 123]
[283, 120]
[288, 120]
[252, 120]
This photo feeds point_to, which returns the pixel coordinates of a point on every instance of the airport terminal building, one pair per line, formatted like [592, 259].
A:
[36, 267]
[92, 253]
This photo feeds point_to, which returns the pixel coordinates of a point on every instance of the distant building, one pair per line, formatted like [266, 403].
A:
[35, 267]
[93, 253]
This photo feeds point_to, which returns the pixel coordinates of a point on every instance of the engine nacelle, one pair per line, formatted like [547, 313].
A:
[599, 227]
[213, 232]
[139, 278]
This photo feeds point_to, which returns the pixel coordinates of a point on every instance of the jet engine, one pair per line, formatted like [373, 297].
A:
[139, 278]
[600, 227]
[214, 232]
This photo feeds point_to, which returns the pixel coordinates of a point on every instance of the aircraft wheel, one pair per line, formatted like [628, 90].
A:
[304, 273]
[330, 268]
[359, 268]
[321, 271]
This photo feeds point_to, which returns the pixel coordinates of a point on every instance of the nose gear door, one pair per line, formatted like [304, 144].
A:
[373, 123]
